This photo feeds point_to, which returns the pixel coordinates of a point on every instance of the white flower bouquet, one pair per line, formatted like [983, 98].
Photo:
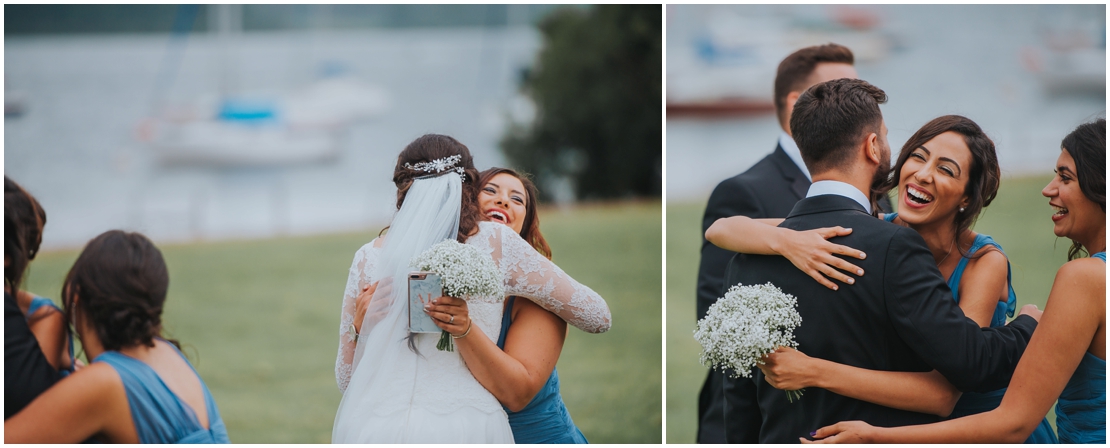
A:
[465, 272]
[746, 324]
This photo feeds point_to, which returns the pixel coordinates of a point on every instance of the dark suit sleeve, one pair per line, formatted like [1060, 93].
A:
[742, 418]
[741, 408]
[921, 308]
[26, 372]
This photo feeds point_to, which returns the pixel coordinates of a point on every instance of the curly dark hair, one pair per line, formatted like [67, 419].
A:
[530, 230]
[24, 220]
[1087, 146]
[430, 147]
[984, 174]
[118, 286]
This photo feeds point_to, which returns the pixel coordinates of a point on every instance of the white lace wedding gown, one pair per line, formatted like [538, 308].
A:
[395, 395]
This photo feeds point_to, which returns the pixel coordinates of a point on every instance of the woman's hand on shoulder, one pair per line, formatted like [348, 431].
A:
[811, 251]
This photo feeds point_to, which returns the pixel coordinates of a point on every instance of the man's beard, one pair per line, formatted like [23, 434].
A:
[882, 174]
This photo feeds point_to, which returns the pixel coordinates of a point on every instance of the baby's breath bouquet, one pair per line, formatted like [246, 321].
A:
[747, 323]
[465, 271]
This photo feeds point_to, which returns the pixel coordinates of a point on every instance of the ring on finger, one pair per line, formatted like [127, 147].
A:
[452, 319]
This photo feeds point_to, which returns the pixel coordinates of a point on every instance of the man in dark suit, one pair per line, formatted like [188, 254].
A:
[768, 189]
[898, 316]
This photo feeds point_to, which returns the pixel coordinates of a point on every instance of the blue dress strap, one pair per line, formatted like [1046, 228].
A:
[39, 302]
[1100, 256]
[1002, 309]
[506, 321]
[159, 415]
[889, 217]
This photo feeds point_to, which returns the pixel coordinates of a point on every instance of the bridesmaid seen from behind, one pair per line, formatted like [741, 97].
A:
[138, 388]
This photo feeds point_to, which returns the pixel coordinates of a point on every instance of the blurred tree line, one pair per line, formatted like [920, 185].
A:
[597, 87]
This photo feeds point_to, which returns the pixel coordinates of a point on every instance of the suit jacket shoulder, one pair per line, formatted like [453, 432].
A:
[768, 189]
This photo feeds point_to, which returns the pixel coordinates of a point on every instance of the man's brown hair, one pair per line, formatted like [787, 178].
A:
[794, 71]
[831, 118]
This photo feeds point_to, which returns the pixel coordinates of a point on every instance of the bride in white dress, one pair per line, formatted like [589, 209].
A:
[397, 387]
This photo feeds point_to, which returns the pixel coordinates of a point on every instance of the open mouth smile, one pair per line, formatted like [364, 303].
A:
[1059, 212]
[918, 196]
[497, 216]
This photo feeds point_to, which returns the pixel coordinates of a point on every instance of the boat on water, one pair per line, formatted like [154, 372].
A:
[263, 130]
[725, 62]
[233, 128]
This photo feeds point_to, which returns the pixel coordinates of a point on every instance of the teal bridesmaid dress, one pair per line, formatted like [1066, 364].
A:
[1081, 411]
[159, 415]
[974, 403]
[545, 419]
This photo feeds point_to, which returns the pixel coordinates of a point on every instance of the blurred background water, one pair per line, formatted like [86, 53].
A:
[100, 120]
[1028, 74]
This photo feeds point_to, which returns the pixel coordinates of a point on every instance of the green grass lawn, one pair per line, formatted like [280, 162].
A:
[259, 320]
[1018, 219]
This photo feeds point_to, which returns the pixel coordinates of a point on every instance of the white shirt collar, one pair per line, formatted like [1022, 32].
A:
[795, 154]
[840, 189]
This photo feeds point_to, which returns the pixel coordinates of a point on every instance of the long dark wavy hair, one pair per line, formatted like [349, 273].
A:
[1087, 146]
[984, 174]
[118, 286]
[24, 219]
[530, 230]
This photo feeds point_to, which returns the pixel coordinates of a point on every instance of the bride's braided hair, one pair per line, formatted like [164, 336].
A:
[430, 147]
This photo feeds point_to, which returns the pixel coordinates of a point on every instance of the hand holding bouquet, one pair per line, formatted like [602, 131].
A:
[465, 272]
[746, 324]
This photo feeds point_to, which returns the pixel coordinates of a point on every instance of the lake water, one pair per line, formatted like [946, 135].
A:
[76, 148]
[950, 59]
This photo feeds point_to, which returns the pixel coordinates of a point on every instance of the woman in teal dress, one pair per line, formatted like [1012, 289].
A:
[946, 174]
[520, 368]
[139, 388]
[1066, 357]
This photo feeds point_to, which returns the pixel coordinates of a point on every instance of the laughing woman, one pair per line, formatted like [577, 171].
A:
[519, 369]
[946, 174]
[1066, 357]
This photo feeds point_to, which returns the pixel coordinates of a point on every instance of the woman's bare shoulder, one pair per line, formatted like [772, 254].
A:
[1088, 270]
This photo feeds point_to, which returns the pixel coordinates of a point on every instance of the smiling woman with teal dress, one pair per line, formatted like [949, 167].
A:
[946, 174]
[519, 369]
[1066, 357]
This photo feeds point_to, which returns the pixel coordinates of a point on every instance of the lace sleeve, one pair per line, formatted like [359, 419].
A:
[357, 276]
[529, 274]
